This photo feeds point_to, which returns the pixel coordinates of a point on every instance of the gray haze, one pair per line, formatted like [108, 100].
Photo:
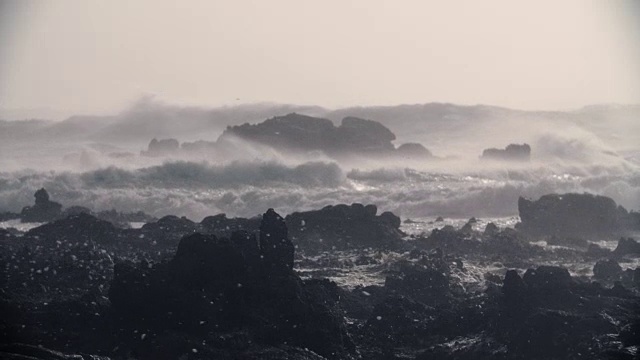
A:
[64, 57]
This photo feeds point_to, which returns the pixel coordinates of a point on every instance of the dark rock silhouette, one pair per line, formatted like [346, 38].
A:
[413, 151]
[222, 226]
[607, 269]
[275, 247]
[344, 227]
[491, 229]
[221, 285]
[161, 147]
[76, 228]
[513, 152]
[295, 131]
[627, 246]
[581, 215]
[354, 136]
[44, 209]
[547, 278]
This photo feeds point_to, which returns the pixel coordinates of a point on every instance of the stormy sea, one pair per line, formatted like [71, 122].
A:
[265, 231]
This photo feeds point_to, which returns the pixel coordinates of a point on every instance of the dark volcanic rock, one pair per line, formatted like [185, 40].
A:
[5, 216]
[76, 210]
[557, 334]
[220, 225]
[627, 246]
[513, 152]
[344, 227]
[275, 247]
[169, 229]
[32, 352]
[491, 229]
[77, 229]
[44, 210]
[217, 286]
[547, 278]
[607, 269]
[582, 215]
[354, 136]
[400, 320]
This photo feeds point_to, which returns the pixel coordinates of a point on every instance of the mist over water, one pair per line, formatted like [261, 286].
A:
[97, 162]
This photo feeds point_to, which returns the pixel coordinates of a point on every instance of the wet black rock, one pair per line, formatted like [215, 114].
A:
[344, 227]
[513, 152]
[81, 228]
[275, 247]
[627, 246]
[76, 210]
[580, 215]
[169, 229]
[18, 351]
[215, 285]
[450, 240]
[491, 229]
[607, 270]
[221, 225]
[43, 210]
[426, 280]
[596, 251]
[513, 288]
[558, 334]
[400, 320]
[548, 278]
[6, 216]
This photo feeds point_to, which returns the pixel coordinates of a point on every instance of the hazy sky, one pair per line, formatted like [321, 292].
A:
[98, 56]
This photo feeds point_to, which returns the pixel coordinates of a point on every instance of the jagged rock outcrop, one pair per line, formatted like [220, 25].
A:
[275, 247]
[215, 285]
[301, 132]
[344, 227]
[627, 246]
[43, 210]
[354, 136]
[513, 152]
[580, 215]
[607, 270]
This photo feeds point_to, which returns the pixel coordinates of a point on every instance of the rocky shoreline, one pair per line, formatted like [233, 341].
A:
[231, 288]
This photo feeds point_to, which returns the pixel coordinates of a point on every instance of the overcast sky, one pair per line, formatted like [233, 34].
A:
[99, 56]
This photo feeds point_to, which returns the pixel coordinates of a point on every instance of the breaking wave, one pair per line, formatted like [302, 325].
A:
[199, 189]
